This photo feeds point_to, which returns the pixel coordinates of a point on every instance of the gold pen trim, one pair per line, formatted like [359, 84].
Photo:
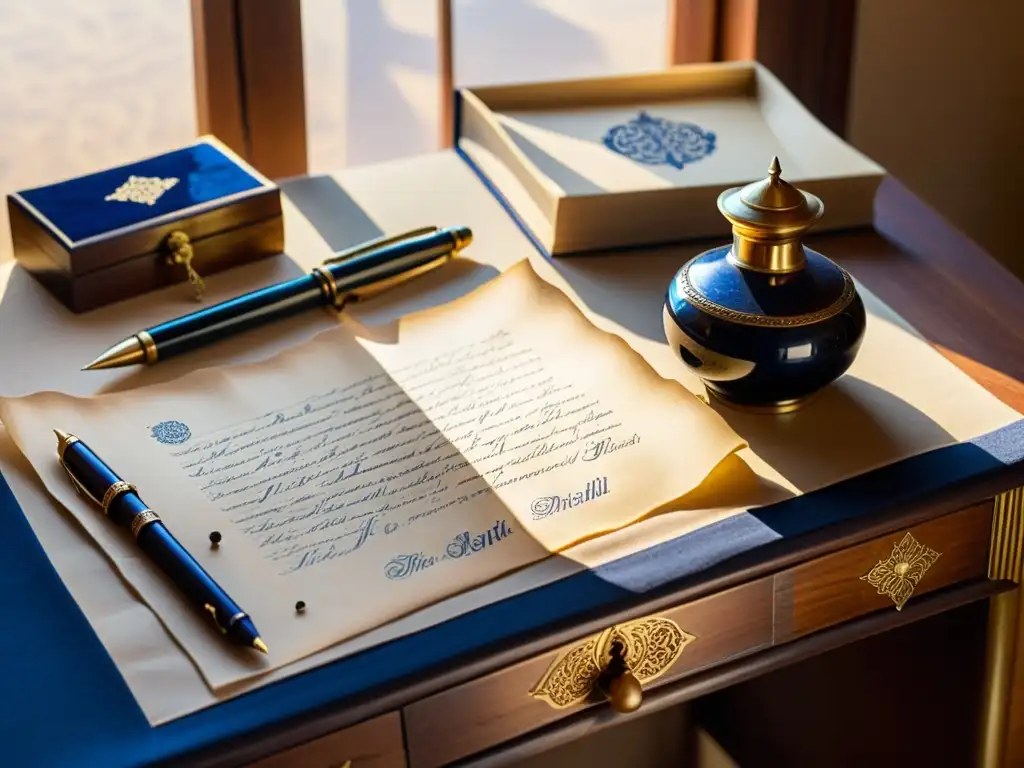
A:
[213, 614]
[385, 284]
[339, 296]
[79, 488]
[141, 520]
[463, 236]
[63, 441]
[380, 242]
[130, 351]
[113, 492]
[148, 346]
[328, 287]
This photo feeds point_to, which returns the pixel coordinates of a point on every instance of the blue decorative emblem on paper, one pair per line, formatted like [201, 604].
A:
[659, 141]
[171, 432]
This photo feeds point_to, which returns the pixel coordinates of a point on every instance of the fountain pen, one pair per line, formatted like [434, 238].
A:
[349, 275]
[120, 501]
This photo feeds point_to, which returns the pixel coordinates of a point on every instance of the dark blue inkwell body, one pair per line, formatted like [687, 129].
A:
[765, 322]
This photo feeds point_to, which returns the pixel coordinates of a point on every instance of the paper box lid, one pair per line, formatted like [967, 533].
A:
[641, 159]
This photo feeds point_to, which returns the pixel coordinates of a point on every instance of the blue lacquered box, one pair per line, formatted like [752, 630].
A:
[124, 231]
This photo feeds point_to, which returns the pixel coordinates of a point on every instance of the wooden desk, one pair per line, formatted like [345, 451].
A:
[755, 597]
[767, 609]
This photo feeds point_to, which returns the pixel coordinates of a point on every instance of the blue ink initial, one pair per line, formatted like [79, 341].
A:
[171, 432]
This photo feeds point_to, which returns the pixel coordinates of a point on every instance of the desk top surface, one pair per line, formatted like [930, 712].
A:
[57, 671]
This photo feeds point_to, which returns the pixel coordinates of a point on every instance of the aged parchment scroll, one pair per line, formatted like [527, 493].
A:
[371, 477]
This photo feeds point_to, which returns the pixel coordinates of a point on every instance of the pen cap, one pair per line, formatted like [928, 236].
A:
[90, 476]
[380, 266]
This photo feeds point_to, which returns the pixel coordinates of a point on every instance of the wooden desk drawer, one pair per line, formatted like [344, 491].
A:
[883, 573]
[505, 704]
[375, 743]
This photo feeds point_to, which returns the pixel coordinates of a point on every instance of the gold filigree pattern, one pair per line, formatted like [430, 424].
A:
[142, 519]
[570, 679]
[145, 190]
[115, 490]
[699, 300]
[897, 576]
[650, 647]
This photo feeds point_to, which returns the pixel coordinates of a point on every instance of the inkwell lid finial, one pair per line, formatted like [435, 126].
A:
[768, 218]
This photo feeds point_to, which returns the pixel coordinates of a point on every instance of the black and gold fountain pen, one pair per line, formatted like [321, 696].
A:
[350, 275]
[121, 503]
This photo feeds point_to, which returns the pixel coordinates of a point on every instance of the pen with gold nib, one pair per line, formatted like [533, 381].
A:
[121, 503]
[350, 275]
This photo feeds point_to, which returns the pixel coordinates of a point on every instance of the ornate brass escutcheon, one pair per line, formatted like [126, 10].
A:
[899, 574]
[615, 663]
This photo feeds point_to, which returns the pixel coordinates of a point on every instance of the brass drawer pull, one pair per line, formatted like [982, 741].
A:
[615, 664]
[898, 575]
[619, 684]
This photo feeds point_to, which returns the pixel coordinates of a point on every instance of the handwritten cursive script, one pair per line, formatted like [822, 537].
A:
[318, 479]
[463, 545]
[545, 506]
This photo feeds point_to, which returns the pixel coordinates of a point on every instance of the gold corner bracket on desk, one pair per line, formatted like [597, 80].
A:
[649, 647]
[1004, 556]
[1001, 668]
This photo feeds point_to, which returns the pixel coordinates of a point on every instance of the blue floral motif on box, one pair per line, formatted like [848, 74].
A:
[659, 141]
[171, 432]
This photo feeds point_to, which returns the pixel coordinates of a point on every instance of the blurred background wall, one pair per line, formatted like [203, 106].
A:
[937, 97]
[937, 92]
